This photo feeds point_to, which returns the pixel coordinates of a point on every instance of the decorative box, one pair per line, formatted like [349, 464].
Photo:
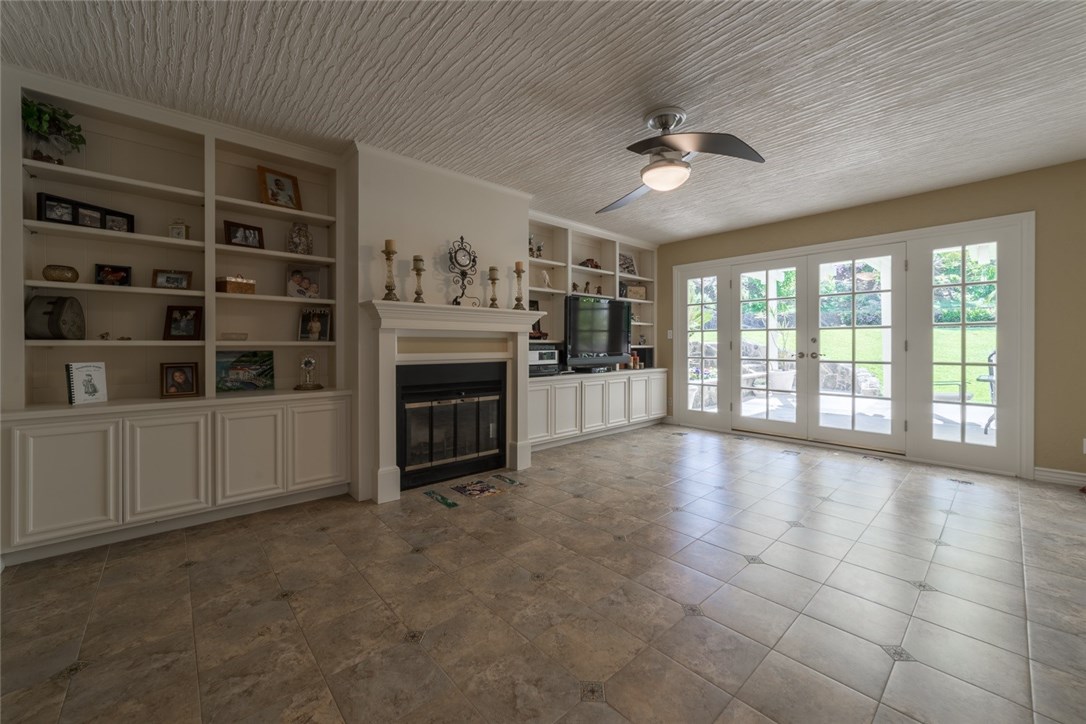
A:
[235, 285]
[636, 291]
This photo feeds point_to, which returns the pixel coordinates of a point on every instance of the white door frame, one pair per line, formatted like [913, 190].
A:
[1023, 224]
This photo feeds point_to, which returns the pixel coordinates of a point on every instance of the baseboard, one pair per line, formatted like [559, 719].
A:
[48, 550]
[590, 435]
[1063, 477]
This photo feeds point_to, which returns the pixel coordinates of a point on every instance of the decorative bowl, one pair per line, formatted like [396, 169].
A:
[59, 273]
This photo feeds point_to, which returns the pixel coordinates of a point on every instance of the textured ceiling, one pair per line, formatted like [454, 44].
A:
[849, 102]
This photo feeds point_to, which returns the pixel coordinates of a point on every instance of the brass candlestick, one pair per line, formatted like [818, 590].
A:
[519, 271]
[493, 287]
[416, 265]
[390, 281]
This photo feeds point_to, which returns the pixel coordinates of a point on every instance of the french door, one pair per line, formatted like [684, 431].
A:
[818, 353]
[814, 346]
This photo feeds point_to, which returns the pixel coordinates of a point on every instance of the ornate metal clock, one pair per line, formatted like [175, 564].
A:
[462, 263]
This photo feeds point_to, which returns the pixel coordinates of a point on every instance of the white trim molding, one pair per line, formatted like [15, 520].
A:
[1063, 477]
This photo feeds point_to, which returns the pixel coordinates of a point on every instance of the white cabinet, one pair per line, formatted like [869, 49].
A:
[639, 398]
[67, 480]
[657, 396]
[249, 454]
[594, 394]
[539, 412]
[617, 391]
[567, 409]
[319, 435]
[167, 465]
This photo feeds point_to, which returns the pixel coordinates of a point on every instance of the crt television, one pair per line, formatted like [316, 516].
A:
[597, 331]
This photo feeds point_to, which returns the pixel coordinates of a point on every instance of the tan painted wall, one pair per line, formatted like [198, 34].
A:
[1058, 196]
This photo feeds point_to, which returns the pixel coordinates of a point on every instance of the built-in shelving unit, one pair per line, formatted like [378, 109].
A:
[162, 167]
[561, 270]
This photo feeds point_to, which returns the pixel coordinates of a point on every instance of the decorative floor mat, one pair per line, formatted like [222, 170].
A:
[478, 489]
[441, 499]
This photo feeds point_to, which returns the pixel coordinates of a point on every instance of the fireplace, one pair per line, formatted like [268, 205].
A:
[450, 420]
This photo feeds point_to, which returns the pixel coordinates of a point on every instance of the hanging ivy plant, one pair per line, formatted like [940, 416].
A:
[53, 124]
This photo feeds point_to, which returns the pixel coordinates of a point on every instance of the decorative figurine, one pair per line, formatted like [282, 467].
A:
[546, 278]
[531, 249]
[599, 289]
[300, 241]
[418, 268]
[462, 263]
[390, 281]
[575, 287]
[539, 250]
[641, 340]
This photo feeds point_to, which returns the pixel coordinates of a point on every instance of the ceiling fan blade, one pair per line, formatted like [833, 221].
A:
[722, 144]
[628, 198]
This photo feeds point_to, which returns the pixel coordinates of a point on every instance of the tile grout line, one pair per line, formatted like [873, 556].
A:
[82, 637]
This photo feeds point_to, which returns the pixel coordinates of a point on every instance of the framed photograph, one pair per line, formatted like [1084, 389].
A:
[88, 216]
[171, 279]
[56, 209]
[116, 221]
[183, 323]
[279, 188]
[113, 275]
[315, 324]
[244, 370]
[237, 234]
[306, 283]
[636, 291]
[179, 379]
[626, 264]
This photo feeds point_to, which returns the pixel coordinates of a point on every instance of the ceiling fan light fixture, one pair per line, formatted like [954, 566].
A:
[665, 174]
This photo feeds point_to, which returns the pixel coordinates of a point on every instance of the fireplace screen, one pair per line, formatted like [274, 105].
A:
[452, 421]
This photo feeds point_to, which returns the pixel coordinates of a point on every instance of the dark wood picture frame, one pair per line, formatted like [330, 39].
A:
[238, 234]
[171, 279]
[172, 386]
[113, 275]
[183, 323]
[279, 188]
[59, 210]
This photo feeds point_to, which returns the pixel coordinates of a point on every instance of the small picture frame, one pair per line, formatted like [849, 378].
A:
[279, 188]
[116, 221]
[183, 323]
[626, 264]
[306, 283]
[236, 234]
[171, 279]
[56, 209]
[179, 379]
[113, 275]
[89, 216]
[315, 324]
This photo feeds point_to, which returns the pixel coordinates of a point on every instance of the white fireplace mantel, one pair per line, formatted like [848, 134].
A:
[382, 325]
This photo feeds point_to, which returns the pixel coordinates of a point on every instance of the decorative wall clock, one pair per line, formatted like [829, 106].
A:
[462, 263]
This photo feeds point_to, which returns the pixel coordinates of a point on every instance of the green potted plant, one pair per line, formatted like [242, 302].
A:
[50, 128]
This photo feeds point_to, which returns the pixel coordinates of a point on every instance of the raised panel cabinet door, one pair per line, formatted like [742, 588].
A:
[657, 395]
[567, 409]
[539, 412]
[249, 454]
[639, 398]
[617, 409]
[167, 465]
[318, 434]
[594, 410]
[67, 480]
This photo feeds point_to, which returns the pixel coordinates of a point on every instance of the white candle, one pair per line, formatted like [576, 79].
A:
[493, 273]
[417, 263]
[390, 245]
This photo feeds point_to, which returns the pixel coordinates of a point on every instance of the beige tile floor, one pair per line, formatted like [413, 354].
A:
[664, 575]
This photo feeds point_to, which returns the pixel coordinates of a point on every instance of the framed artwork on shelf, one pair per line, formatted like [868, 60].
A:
[67, 211]
[279, 188]
[244, 370]
[237, 234]
[315, 324]
[179, 379]
[626, 264]
[116, 221]
[306, 283]
[636, 291]
[55, 208]
[113, 275]
[171, 279]
[183, 323]
[89, 216]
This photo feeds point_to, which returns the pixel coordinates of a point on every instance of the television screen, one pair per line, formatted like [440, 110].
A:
[597, 331]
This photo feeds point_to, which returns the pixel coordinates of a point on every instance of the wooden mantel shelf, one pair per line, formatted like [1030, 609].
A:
[446, 317]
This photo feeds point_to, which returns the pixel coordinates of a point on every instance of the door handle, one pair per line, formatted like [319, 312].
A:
[814, 355]
[800, 355]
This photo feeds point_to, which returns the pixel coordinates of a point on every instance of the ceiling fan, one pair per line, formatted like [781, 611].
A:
[670, 153]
